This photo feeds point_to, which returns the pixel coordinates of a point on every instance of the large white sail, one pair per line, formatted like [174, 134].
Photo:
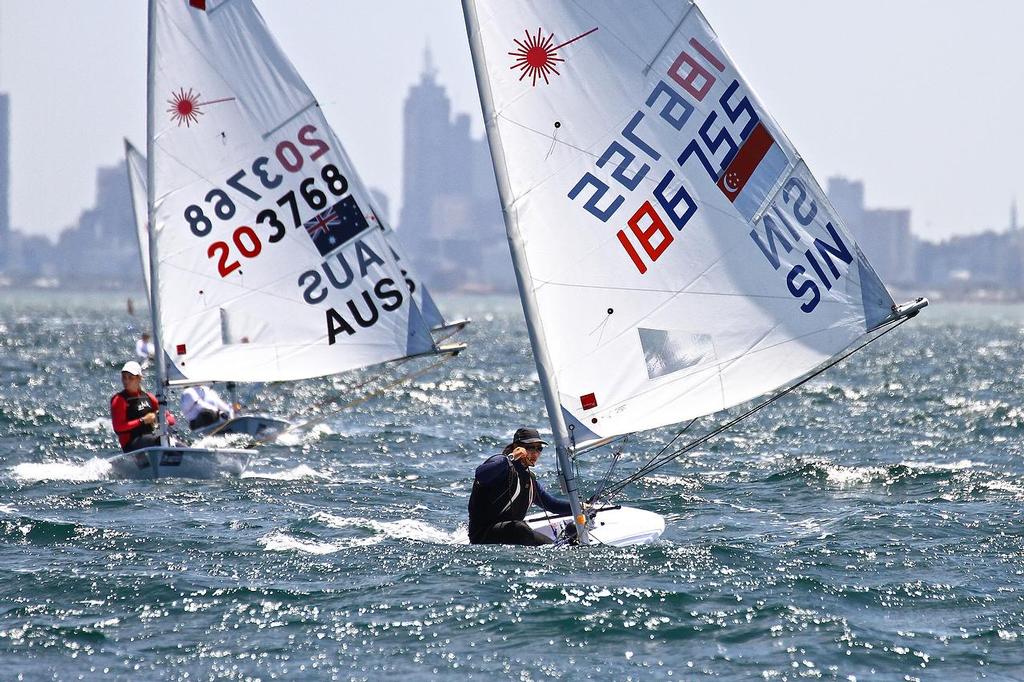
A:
[268, 267]
[680, 256]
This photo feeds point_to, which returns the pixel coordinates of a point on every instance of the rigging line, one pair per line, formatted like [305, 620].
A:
[669, 444]
[608, 474]
[665, 460]
[727, 425]
[412, 376]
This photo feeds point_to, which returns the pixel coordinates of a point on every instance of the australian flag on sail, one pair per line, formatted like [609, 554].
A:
[335, 226]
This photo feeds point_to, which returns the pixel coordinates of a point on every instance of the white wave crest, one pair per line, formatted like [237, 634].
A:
[95, 469]
[680, 481]
[942, 466]
[1005, 487]
[94, 425]
[294, 474]
[402, 529]
[222, 440]
[845, 476]
[301, 436]
[279, 541]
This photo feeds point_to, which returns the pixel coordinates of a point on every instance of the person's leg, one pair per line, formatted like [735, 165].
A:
[145, 441]
[514, 533]
[205, 418]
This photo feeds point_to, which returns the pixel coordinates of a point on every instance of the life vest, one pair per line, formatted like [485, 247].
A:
[502, 491]
[138, 406]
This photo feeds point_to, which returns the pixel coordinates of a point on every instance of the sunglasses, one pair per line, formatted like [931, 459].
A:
[535, 448]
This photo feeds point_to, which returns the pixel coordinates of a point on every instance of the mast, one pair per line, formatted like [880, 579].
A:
[515, 242]
[154, 278]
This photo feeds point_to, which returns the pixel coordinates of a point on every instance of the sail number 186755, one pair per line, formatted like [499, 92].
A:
[690, 78]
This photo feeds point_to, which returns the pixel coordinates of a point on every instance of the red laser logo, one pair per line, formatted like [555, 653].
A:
[536, 56]
[185, 106]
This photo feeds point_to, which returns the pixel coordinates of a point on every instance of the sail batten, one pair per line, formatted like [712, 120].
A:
[677, 253]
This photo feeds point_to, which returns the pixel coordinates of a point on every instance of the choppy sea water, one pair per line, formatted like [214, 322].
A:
[867, 527]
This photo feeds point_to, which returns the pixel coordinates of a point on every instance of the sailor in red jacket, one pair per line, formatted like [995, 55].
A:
[134, 411]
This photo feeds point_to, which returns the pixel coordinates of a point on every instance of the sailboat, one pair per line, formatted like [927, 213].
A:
[263, 427]
[260, 427]
[674, 254]
[263, 265]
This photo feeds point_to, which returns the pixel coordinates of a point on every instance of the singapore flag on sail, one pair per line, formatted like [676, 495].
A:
[753, 172]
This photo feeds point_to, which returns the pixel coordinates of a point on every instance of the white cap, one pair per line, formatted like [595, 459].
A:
[132, 367]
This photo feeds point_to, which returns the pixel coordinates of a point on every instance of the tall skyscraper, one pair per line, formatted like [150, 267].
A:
[101, 249]
[5, 178]
[450, 218]
[883, 234]
[848, 198]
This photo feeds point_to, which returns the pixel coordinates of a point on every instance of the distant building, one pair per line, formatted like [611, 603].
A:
[102, 250]
[5, 179]
[450, 219]
[28, 259]
[961, 265]
[883, 234]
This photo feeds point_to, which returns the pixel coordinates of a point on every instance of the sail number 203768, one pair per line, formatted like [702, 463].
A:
[245, 240]
[691, 77]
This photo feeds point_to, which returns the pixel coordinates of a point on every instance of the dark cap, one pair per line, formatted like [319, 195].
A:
[528, 437]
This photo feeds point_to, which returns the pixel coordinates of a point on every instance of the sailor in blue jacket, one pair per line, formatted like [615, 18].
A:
[504, 489]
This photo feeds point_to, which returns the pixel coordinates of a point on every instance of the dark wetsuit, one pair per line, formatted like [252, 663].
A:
[503, 491]
[126, 413]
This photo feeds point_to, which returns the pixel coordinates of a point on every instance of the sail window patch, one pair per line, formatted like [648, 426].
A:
[667, 351]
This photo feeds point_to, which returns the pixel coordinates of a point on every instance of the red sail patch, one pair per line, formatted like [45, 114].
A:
[746, 161]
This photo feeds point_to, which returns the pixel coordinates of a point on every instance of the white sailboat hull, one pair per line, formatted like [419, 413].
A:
[176, 462]
[615, 526]
[260, 427]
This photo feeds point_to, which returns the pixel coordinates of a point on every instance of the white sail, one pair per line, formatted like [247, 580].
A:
[136, 164]
[680, 256]
[268, 269]
[431, 313]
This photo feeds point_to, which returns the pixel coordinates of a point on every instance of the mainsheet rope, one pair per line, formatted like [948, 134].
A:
[660, 459]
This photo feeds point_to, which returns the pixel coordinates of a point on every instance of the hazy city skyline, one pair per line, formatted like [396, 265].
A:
[919, 98]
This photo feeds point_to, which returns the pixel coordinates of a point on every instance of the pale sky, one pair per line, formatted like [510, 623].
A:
[922, 99]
